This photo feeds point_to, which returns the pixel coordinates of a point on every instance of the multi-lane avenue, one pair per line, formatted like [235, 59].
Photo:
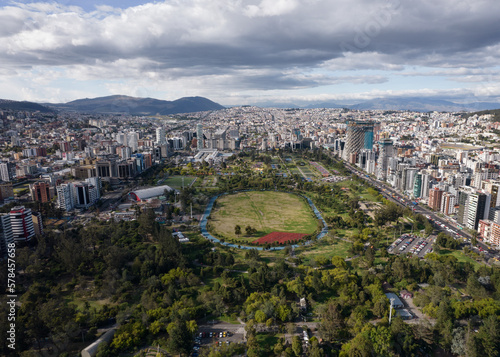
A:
[447, 226]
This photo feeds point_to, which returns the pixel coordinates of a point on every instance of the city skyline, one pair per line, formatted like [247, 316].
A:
[249, 52]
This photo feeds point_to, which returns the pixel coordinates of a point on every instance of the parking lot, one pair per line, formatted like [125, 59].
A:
[218, 334]
[410, 243]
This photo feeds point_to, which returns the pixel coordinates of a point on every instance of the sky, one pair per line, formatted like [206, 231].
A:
[240, 52]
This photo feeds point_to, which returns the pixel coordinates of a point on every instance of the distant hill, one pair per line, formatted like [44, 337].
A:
[495, 112]
[122, 104]
[419, 104]
[6, 104]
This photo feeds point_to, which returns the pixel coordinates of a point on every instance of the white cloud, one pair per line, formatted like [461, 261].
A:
[271, 8]
[242, 46]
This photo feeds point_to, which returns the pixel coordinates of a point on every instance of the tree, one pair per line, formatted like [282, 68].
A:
[489, 334]
[315, 350]
[360, 346]
[458, 344]
[380, 307]
[278, 348]
[253, 346]
[237, 230]
[260, 316]
[179, 337]
[474, 238]
[296, 345]
[381, 340]
[332, 323]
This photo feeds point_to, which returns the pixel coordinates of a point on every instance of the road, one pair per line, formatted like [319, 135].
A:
[440, 224]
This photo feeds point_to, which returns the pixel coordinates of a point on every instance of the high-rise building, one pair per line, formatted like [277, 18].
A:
[97, 184]
[121, 138]
[199, 136]
[133, 141]
[125, 152]
[448, 203]
[160, 136]
[463, 202]
[386, 151]
[7, 170]
[478, 208]
[493, 188]
[81, 194]
[425, 186]
[106, 168]
[65, 197]
[435, 197]
[359, 136]
[22, 224]
[37, 223]
[6, 235]
[40, 192]
[417, 185]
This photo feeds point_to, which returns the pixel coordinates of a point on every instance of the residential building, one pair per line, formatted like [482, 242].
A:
[41, 192]
[22, 224]
[435, 197]
[6, 235]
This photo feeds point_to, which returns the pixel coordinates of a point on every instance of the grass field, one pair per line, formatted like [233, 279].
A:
[176, 181]
[461, 257]
[324, 248]
[266, 211]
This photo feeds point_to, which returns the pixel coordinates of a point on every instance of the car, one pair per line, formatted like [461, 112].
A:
[220, 334]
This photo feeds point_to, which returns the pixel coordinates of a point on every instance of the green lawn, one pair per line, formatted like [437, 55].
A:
[228, 319]
[266, 340]
[324, 248]
[266, 211]
[461, 257]
[176, 181]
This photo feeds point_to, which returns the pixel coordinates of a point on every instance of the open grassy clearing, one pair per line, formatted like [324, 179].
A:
[176, 181]
[461, 257]
[324, 248]
[266, 211]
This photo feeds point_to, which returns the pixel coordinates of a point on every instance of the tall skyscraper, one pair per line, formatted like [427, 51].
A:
[199, 136]
[386, 151]
[359, 136]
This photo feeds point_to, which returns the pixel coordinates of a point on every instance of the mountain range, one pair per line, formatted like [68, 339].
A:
[138, 106]
[6, 104]
[121, 104]
[418, 104]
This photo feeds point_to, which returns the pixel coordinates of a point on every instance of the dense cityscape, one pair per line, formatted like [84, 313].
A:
[436, 173]
[249, 178]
